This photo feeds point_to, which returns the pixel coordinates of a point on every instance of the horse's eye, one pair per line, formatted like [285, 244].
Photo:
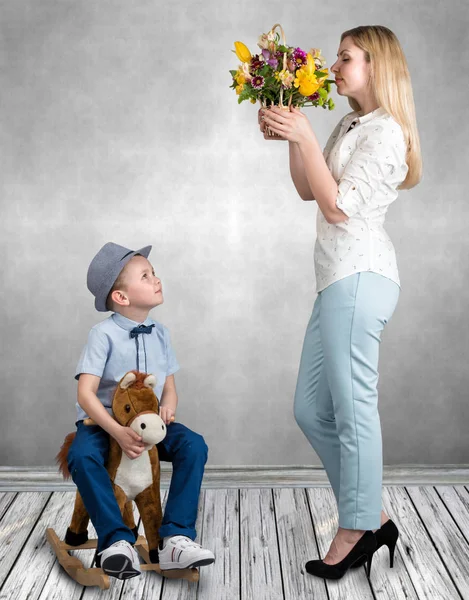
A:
[127, 408]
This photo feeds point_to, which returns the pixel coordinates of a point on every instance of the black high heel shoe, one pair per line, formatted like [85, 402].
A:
[386, 535]
[365, 547]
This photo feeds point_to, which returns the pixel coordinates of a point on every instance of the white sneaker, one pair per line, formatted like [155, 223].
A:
[180, 552]
[120, 560]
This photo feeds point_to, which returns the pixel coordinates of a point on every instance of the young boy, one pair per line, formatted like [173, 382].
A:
[124, 282]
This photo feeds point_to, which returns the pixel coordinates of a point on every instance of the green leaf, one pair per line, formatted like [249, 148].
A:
[323, 93]
[233, 72]
[247, 93]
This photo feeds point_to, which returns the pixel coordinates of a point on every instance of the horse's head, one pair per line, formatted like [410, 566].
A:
[135, 405]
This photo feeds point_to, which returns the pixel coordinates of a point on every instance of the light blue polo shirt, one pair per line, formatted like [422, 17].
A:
[110, 353]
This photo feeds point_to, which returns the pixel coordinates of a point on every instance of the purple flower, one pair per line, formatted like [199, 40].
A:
[299, 56]
[270, 58]
[257, 82]
[313, 97]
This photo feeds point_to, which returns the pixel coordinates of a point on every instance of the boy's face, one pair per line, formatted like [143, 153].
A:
[143, 288]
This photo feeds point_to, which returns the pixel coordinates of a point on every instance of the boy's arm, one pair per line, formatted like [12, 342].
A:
[169, 400]
[130, 442]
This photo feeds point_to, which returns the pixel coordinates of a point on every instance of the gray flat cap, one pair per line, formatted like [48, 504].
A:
[105, 267]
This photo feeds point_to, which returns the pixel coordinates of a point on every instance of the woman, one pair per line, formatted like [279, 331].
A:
[373, 152]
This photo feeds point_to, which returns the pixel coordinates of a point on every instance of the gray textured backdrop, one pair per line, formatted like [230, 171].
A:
[117, 123]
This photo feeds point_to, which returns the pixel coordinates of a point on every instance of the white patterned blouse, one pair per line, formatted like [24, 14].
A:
[366, 156]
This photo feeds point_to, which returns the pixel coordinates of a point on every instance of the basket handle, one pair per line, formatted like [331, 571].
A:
[284, 42]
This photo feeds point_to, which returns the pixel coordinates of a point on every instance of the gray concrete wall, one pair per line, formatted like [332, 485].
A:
[117, 123]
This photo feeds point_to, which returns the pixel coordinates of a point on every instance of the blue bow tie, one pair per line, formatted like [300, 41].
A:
[141, 329]
[134, 334]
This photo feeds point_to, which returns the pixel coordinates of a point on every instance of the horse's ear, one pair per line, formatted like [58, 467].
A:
[128, 379]
[150, 381]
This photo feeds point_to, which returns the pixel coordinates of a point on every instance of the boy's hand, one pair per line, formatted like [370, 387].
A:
[130, 442]
[166, 414]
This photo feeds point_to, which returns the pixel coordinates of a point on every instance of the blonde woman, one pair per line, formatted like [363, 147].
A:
[373, 152]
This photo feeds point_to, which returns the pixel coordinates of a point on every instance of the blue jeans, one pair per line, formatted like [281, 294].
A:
[86, 462]
[336, 397]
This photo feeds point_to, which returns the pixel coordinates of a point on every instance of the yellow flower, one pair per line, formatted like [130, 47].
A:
[253, 100]
[239, 88]
[310, 67]
[307, 88]
[240, 79]
[242, 52]
[306, 80]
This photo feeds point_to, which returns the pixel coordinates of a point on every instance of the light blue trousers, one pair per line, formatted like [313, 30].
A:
[336, 397]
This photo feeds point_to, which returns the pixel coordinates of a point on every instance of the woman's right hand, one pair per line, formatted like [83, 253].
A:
[262, 128]
[130, 442]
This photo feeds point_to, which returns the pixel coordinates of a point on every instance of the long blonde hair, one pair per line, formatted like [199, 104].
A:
[391, 85]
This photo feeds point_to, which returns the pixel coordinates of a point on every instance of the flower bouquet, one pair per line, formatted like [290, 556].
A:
[281, 75]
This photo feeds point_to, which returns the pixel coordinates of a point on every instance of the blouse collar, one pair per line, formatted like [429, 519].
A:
[378, 112]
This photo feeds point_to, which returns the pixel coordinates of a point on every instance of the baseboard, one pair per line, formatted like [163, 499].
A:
[48, 479]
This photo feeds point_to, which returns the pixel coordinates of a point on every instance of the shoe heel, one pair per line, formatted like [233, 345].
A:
[391, 554]
[369, 558]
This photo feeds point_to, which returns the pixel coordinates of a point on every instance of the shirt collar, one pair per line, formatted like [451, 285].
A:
[378, 112]
[126, 323]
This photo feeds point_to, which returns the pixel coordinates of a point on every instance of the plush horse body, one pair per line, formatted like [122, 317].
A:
[134, 405]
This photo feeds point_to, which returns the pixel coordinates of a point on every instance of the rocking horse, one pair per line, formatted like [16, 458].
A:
[134, 405]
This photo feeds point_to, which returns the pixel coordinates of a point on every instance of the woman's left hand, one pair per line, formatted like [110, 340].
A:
[292, 125]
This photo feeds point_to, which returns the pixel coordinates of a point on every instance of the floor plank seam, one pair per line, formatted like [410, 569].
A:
[308, 504]
[451, 514]
[433, 543]
[278, 542]
[17, 557]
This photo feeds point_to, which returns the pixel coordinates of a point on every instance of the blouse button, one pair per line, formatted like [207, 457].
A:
[353, 187]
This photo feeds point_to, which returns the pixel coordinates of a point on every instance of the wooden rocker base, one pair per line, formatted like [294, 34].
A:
[96, 576]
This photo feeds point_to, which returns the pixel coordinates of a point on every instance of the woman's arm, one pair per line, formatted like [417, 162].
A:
[320, 180]
[297, 171]
[295, 127]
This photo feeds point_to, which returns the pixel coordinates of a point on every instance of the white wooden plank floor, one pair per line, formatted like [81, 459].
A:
[262, 539]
